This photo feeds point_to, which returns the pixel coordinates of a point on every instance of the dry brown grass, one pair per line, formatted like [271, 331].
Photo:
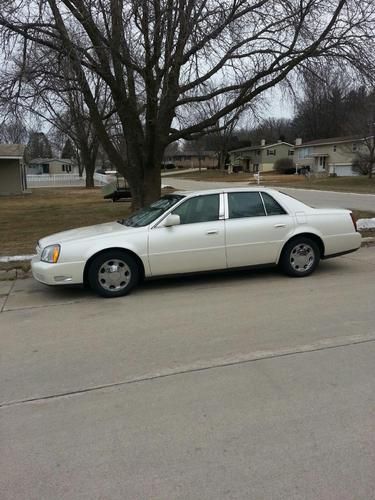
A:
[25, 219]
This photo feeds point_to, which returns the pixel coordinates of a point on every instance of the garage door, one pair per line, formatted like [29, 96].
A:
[343, 170]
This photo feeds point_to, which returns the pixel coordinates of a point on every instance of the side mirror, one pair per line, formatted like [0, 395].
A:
[172, 220]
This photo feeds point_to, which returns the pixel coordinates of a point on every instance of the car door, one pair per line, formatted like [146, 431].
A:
[256, 228]
[196, 244]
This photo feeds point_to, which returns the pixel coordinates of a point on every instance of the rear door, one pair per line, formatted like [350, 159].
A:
[256, 228]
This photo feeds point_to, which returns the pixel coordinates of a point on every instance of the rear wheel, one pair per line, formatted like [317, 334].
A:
[300, 257]
[113, 274]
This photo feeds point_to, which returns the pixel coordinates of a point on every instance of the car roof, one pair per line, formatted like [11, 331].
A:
[289, 201]
[226, 190]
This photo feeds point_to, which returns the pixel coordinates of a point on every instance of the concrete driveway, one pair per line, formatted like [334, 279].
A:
[240, 385]
[314, 198]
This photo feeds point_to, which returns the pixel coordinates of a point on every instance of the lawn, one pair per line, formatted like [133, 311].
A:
[25, 219]
[360, 184]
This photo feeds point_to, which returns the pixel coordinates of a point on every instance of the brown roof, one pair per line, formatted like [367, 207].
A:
[331, 140]
[12, 150]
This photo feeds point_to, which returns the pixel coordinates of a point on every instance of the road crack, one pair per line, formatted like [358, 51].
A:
[204, 365]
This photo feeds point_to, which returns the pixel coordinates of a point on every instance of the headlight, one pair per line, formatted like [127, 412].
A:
[51, 254]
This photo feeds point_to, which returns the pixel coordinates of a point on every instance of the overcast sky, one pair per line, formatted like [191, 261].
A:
[280, 106]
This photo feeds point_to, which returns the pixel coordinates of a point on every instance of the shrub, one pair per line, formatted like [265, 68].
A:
[361, 164]
[284, 166]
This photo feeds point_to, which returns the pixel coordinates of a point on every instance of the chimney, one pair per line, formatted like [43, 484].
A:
[279, 141]
[299, 142]
[263, 142]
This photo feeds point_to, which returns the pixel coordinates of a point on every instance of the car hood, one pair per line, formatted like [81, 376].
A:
[83, 233]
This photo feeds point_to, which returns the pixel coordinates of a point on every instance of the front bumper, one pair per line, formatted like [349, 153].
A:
[61, 273]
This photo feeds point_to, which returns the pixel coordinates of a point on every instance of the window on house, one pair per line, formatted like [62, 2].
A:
[291, 152]
[334, 148]
[245, 205]
[271, 152]
[354, 147]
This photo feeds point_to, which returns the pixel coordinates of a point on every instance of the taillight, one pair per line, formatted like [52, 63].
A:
[354, 221]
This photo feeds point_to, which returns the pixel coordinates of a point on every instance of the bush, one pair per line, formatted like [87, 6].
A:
[285, 166]
[361, 164]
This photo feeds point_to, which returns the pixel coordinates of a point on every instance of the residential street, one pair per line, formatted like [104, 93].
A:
[240, 385]
[353, 201]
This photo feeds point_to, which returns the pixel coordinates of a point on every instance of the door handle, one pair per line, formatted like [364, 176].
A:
[213, 231]
[279, 225]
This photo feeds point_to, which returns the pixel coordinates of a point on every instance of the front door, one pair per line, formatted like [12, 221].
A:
[197, 244]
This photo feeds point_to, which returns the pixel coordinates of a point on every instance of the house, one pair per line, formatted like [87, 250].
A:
[191, 159]
[12, 169]
[51, 166]
[260, 158]
[329, 156]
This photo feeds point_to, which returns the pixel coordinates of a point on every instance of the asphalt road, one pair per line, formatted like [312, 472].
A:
[244, 385]
[314, 198]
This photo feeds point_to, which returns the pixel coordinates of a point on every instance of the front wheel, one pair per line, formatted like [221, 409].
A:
[300, 257]
[113, 274]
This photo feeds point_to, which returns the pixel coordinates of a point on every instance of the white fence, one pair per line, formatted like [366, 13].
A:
[64, 180]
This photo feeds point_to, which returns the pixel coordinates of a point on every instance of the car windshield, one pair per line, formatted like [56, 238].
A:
[145, 216]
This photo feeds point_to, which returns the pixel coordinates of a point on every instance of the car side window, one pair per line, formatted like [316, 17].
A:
[245, 205]
[199, 209]
[272, 207]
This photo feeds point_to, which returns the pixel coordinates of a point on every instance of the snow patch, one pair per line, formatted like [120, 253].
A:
[16, 258]
[366, 223]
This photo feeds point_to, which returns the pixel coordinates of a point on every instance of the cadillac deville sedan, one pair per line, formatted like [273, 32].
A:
[188, 232]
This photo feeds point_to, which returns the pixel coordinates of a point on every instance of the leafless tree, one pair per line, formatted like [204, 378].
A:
[13, 130]
[272, 130]
[162, 58]
[364, 161]
[49, 90]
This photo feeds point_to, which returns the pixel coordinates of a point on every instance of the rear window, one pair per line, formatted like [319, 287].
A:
[245, 205]
[272, 206]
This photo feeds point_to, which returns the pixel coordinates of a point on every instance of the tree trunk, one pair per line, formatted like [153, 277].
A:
[80, 167]
[143, 170]
[146, 190]
[89, 167]
[90, 178]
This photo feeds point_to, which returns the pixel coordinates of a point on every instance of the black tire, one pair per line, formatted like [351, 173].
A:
[124, 279]
[300, 257]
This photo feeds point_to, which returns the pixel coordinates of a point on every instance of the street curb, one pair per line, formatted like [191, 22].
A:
[369, 241]
[12, 268]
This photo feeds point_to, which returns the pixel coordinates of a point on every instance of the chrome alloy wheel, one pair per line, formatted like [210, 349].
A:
[114, 275]
[302, 257]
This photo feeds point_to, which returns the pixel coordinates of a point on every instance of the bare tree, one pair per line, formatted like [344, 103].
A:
[50, 91]
[38, 146]
[163, 58]
[272, 130]
[364, 121]
[13, 130]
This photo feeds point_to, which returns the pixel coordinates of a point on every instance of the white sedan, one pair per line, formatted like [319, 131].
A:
[194, 232]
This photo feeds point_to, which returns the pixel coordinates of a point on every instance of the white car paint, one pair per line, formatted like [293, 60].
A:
[222, 243]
